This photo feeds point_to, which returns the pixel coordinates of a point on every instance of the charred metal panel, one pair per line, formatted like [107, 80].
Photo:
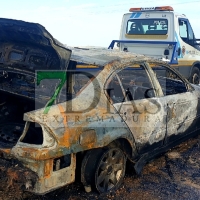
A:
[182, 113]
[32, 34]
[24, 49]
[146, 120]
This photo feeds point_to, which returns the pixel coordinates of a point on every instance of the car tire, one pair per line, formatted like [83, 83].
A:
[195, 76]
[104, 169]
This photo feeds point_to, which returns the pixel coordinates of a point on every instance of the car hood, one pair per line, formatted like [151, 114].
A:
[26, 34]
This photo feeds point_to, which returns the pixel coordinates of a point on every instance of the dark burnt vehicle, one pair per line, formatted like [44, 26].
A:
[116, 106]
[24, 49]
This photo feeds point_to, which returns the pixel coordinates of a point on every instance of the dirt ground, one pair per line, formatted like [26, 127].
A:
[174, 175]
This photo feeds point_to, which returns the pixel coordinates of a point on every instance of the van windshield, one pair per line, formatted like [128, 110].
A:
[147, 26]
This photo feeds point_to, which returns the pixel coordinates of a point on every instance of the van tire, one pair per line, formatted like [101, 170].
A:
[195, 76]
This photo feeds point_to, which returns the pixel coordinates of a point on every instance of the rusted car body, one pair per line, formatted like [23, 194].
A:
[119, 106]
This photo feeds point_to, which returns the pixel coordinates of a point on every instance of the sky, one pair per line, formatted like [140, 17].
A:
[89, 22]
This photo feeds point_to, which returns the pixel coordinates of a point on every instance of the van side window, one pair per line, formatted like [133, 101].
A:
[186, 32]
[190, 32]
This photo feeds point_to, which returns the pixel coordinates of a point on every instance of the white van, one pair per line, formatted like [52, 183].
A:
[161, 33]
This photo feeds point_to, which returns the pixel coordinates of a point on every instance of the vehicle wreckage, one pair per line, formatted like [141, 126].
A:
[64, 110]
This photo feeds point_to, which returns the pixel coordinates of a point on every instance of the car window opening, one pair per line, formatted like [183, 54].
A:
[135, 85]
[169, 81]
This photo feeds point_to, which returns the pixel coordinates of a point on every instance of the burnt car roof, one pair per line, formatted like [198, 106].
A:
[102, 57]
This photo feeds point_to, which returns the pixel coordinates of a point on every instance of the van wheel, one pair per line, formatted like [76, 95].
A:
[195, 76]
[105, 169]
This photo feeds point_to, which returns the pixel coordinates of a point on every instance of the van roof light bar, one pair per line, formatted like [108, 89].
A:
[161, 8]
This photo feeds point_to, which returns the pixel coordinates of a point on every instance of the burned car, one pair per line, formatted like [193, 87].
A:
[59, 117]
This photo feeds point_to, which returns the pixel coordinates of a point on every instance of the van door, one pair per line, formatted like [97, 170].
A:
[189, 54]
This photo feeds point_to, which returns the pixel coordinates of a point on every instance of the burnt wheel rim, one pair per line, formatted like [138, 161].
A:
[195, 78]
[110, 170]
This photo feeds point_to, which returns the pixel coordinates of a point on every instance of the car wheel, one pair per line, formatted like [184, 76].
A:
[103, 169]
[110, 170]
[195, 76]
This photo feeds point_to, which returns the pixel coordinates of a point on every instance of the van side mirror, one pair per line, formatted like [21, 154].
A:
[180, 23]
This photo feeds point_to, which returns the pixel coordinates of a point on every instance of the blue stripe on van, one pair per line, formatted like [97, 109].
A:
[135, 15]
